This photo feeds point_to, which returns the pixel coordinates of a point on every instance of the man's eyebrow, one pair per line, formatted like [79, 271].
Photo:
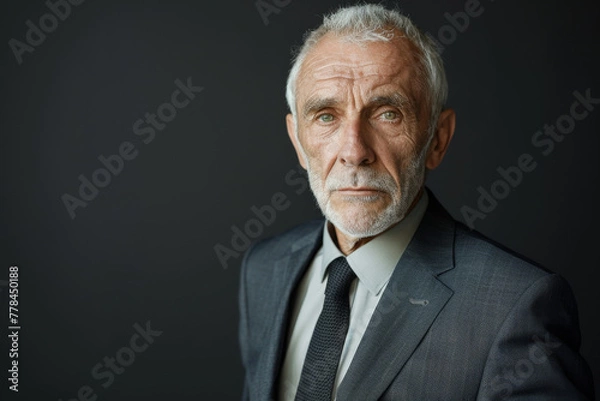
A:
[393, 99]
[315, 104]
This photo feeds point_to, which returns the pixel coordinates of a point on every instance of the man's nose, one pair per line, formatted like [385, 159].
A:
[355, 149]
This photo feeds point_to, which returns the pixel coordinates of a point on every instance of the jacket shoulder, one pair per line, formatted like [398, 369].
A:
[493, 261]
[280, 245]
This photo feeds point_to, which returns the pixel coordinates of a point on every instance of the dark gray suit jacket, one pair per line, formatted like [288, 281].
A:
[460, 319]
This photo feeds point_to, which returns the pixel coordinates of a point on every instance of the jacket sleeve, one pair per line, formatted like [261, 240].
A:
[243, 333]
[535, 355]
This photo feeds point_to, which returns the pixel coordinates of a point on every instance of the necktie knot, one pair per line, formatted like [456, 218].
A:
[340, 277]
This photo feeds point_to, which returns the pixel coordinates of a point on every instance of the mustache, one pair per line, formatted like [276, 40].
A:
[365, 177]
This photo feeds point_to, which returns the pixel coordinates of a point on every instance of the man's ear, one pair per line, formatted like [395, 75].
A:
[441, 139]
[291, 128]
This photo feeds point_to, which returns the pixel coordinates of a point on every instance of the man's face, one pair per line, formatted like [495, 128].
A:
[362, 128]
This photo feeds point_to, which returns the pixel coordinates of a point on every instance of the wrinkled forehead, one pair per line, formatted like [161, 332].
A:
[336, 64]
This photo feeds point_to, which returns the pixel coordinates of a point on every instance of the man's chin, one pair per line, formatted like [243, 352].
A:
[358, 207]
[358, 231]
[360, 225]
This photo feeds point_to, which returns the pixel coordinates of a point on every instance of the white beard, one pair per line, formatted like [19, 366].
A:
[368, 224]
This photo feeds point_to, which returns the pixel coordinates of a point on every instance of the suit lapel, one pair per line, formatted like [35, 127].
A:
[287, 272]
[410, 303]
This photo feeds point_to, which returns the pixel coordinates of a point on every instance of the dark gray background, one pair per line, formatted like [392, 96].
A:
[143, 249]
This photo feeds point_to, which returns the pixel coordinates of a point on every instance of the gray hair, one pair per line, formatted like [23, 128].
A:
[374, 23]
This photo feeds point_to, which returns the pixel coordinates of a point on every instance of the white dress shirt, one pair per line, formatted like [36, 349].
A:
[373, 264]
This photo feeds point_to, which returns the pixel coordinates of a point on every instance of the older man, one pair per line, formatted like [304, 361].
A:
[389, 298]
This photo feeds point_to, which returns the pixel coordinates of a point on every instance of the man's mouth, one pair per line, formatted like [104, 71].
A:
[359, 191]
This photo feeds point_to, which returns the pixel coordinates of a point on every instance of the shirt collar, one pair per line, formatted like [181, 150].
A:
[374, 262]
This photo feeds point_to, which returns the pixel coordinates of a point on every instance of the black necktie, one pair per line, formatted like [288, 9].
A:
[325, 348]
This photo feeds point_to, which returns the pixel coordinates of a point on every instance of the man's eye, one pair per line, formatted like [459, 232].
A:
[389, 115]
[325, 118]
